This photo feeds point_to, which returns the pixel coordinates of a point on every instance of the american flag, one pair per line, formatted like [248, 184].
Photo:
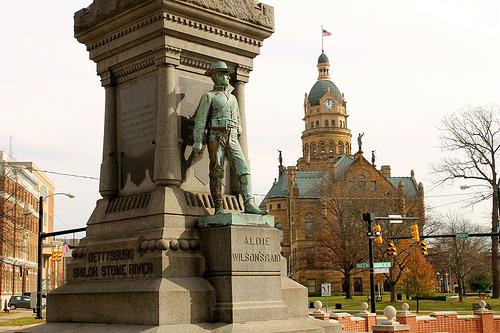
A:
[326, 33]
[65, 248]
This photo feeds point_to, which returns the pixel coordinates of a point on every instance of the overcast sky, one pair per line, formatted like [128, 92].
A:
[402, 66]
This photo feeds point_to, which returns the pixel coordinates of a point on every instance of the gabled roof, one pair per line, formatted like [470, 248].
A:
[409, 184]
[308, 183]
[342, 164]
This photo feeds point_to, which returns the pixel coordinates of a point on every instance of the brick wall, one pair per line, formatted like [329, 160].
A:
[481, 321]
[358, 323]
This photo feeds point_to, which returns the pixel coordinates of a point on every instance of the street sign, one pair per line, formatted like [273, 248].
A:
[404, 244]
[326, 289]
[397, 219]
[462, 235]
[378, 270]
[385, 264]
[362, 265]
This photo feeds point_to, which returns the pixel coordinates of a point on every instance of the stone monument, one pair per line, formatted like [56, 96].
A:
[153, 258]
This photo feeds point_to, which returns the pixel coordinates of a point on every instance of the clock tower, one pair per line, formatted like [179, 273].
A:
[326, 134]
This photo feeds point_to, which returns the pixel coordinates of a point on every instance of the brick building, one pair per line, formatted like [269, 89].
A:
[306, 200]
[21, 185]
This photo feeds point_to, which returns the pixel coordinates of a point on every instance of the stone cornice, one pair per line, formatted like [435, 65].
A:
[242, 73]
[134, 68]
[244, 10]
[117, 34]
[176, 19]
[194, 63]
[168, 55]
[212, 29]
[106, 78]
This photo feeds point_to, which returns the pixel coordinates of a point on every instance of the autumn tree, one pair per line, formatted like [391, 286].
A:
[418, 277]
[471, 141]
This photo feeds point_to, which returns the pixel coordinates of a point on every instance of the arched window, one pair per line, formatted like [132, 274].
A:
[347, 148]
[317, 123]
[309, 229]
[362, 182]
[326, 123]
[340, 123]
[306, 149]
[313, 149]
[331, 148]
[312, 124]
[341, 148]
[321, 148]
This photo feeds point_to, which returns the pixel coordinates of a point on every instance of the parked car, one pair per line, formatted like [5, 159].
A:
[19, 302]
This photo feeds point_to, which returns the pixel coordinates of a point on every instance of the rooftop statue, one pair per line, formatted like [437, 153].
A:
[360, 140]
[218, 115]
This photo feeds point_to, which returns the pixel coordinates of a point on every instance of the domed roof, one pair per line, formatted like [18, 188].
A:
[320, 88]
[323, 59]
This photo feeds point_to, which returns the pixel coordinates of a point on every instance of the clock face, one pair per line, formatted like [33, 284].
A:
[328, 104]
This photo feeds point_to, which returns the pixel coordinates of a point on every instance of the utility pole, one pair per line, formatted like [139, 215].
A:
[369, 218]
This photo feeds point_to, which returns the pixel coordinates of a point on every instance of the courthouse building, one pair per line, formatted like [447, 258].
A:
[332, 169]
[21, 185]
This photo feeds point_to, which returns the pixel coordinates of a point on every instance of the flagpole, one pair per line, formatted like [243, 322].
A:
[322, 48]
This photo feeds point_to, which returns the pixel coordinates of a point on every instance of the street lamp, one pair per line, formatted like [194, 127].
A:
[40, 232]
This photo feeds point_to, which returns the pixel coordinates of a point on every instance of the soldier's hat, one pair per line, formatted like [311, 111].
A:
[218, 66]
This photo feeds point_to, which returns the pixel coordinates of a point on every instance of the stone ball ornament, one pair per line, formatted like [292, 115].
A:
[390, 313]
[364, 306]
[162, 244]
[184, 244]
[405, 307]
[174, 244]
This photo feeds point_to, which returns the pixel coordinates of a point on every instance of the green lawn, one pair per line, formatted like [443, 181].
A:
[425, 306]
[21, 321]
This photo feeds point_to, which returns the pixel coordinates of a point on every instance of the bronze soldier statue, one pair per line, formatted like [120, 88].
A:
[218, 114]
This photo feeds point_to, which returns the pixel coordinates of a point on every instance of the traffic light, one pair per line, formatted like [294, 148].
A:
[414, 233]
[377, 232]
[56, 255]
[423, 248]
[391, 249]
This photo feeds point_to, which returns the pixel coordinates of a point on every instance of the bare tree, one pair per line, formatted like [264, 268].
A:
[343, 237]
[473, 137]
[463, 256]
[340, 238]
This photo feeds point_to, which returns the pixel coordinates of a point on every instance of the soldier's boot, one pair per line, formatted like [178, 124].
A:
[215, 191]
[246, 193]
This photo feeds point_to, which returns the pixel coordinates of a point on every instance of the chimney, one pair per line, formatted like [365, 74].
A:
[385, 170]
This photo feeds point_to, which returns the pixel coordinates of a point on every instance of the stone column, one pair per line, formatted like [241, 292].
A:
[370, 318]
[405, 317]
[167, 167]
[108, 180]
[241, 78]
[487, 322]
[390, 325]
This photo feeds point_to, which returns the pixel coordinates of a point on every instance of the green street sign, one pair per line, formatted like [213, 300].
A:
[386, 264]
[462, 235]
